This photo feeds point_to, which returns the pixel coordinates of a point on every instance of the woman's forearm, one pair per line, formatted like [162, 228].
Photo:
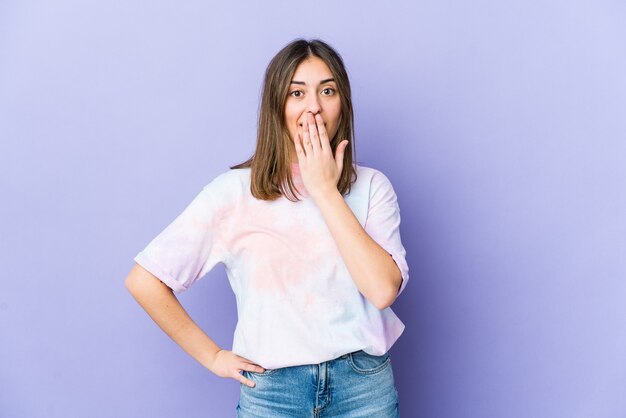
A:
[158, 300]
[374, 271]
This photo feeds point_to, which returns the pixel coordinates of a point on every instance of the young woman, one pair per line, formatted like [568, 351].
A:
[312, 249]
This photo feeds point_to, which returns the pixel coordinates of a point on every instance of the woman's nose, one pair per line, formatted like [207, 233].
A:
[314, 105]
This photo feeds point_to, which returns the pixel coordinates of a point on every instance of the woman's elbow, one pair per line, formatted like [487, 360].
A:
[139, 279]
[386, 301]
[131, 283]
[388, 297]
[382, 299]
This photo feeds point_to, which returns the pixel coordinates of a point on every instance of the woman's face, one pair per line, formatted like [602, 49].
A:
[312, 89]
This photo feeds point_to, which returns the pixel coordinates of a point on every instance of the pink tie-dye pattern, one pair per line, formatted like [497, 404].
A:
[283, 245]
[275, 265]
[296, 301]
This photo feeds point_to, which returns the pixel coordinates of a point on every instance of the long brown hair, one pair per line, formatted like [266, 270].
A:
[270, 164]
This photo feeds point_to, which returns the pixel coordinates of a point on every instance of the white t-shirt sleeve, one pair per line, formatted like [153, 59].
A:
[192, 244]
[383, 222]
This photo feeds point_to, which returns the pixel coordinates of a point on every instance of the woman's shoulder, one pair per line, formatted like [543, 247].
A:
[229, 183]
[231, 176]
[371, 176]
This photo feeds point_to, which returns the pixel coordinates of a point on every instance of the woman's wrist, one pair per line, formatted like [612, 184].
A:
[211, 357]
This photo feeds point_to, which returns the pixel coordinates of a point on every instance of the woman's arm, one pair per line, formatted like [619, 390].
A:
[373, 270]
[158, 300]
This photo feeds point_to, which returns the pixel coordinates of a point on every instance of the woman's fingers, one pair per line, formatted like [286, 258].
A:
[300, 152]
[306, 138]
[243, 380]
[229, 364]
[313, 133]
[249, 367]
[324, 140]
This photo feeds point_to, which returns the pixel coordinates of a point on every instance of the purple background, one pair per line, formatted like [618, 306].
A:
[501, 125]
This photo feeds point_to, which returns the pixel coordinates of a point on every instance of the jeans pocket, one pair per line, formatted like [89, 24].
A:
[364, 363]
[267, 372]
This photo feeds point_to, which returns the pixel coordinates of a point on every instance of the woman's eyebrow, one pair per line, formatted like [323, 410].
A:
[326, 80]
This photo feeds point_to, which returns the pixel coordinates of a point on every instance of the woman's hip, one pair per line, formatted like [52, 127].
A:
[356, 383]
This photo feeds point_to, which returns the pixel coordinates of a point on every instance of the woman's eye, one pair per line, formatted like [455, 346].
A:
[296, 91]
[331, 89]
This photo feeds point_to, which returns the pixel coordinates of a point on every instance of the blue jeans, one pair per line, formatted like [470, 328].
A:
[353, 385]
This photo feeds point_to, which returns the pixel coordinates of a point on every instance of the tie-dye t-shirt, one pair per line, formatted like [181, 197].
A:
[296, 301]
